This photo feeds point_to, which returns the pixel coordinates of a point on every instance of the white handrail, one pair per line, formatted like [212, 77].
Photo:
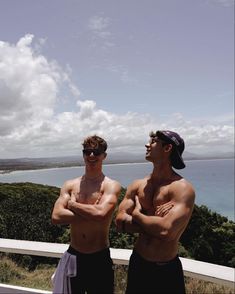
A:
[192, 268]
[10, 289]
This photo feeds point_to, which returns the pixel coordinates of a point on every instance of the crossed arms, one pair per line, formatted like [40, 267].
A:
[169, 219]
[67, 210]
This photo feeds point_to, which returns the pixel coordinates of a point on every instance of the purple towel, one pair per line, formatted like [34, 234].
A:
[66, 269]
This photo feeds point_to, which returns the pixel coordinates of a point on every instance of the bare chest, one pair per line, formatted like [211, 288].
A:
[88, 194]
[151, 197]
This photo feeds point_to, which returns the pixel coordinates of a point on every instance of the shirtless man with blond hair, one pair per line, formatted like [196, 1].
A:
[159, 208]
[87, 203]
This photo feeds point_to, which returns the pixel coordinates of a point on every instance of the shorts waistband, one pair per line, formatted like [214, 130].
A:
[175, 259]
[103, 252]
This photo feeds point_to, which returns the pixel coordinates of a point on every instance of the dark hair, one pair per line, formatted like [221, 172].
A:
[164, 141]
[170, 137]
[95, 142]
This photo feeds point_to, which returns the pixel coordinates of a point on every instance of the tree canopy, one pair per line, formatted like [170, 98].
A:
[25, 214]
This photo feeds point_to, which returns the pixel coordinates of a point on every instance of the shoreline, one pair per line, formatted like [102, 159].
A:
[3, 172]
[64, 166]
[210, 194]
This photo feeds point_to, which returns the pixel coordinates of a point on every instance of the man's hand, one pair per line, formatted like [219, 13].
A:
[71, 204]
[163, 209]
[138, 208]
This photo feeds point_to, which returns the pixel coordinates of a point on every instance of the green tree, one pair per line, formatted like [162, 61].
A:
[25, 212]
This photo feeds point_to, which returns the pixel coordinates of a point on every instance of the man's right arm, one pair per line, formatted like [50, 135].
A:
[173, 223]
[124, 220]
[61, 214]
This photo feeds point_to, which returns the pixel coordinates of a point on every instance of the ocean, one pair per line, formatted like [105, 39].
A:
[213, 180]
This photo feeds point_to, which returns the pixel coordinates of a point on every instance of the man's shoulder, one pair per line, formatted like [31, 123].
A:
[143, 180]
[111, 182]
[182, 183]
[139, 182]
[72, 182]
[182, 187]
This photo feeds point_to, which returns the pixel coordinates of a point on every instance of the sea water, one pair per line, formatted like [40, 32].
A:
[213, 179]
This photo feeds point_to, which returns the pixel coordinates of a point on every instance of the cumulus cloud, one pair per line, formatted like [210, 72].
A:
[31, 87]
[28, 85]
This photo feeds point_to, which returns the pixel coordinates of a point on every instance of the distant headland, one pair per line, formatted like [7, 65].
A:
[14, 164]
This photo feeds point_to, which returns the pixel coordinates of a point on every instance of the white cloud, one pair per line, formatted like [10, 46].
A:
[30, 89]
[28, 85]
[101, 35]
[102, 38]
[98, 23]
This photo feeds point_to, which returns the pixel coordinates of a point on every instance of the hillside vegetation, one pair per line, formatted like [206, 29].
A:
[25, 214]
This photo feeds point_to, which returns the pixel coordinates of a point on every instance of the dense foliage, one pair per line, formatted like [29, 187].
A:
[25, 211]
[25, 214]
[210, 237]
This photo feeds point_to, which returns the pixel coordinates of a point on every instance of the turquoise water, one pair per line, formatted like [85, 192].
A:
[213, 179]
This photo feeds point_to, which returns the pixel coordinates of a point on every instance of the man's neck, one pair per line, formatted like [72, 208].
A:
[93, 177]
[162, 173]
[93, 174]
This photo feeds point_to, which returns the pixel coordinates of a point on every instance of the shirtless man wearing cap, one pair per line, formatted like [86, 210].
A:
[158, 207]
[87, 203]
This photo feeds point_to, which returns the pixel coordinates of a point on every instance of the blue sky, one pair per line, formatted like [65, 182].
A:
[119, 69]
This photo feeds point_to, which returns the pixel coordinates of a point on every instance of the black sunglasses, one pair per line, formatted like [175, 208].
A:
[88, 152]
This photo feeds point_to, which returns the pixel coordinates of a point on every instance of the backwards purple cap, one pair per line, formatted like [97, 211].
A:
[178, 147]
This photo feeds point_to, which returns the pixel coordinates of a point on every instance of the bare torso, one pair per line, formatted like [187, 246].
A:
[89, 235]
[151, 196]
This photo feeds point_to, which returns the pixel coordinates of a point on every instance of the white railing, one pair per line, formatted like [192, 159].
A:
[192, 268]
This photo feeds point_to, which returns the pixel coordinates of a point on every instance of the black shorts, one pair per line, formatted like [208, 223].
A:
[94, 272]
[152, 277]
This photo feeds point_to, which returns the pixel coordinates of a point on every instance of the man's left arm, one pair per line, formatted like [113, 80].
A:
[101, 208]
[174, 222]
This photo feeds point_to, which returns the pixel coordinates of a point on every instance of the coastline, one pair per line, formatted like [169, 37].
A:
[2, 172]
[33, 167]
[212, 178]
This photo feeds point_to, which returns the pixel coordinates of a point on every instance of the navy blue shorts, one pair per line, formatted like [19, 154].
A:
[153, 277]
